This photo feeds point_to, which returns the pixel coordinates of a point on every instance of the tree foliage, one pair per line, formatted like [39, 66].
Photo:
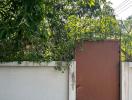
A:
[92, 29]
[45, 30]
[126, 39]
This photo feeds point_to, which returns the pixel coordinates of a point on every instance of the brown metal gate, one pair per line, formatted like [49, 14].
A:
[98, 70]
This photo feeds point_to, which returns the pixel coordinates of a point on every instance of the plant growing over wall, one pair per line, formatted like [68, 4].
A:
[45, 30]
[126, 39]
[91, 28]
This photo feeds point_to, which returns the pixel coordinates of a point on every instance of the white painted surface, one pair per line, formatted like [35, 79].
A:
[130, 83]
[72, 81]
[127, 81]
[32, 83]
[124, 79]
[26, 63]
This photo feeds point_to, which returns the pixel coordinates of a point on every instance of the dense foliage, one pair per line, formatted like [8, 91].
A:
[126, 39]
[92, 29]
[45, 30]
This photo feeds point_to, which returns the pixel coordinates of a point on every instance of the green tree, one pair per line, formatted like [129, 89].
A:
[126, 39]
[43, 30]
[101, 25]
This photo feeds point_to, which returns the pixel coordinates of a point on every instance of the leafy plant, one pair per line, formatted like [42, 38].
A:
[126, 39]
[46, 30]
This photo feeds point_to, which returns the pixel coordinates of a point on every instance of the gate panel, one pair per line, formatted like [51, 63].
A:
[98, 71]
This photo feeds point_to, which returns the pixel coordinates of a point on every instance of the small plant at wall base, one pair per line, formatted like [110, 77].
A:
[41, 30]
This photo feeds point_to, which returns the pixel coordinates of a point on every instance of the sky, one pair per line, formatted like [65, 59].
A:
[123, 8]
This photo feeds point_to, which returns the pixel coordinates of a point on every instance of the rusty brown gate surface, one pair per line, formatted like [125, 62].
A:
[98, 70]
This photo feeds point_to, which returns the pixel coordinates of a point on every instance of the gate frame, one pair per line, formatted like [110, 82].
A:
[71, 72]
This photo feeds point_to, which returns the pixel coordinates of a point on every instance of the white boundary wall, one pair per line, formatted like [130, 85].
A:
[40, 81]
[126, 78]
[37, 81]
